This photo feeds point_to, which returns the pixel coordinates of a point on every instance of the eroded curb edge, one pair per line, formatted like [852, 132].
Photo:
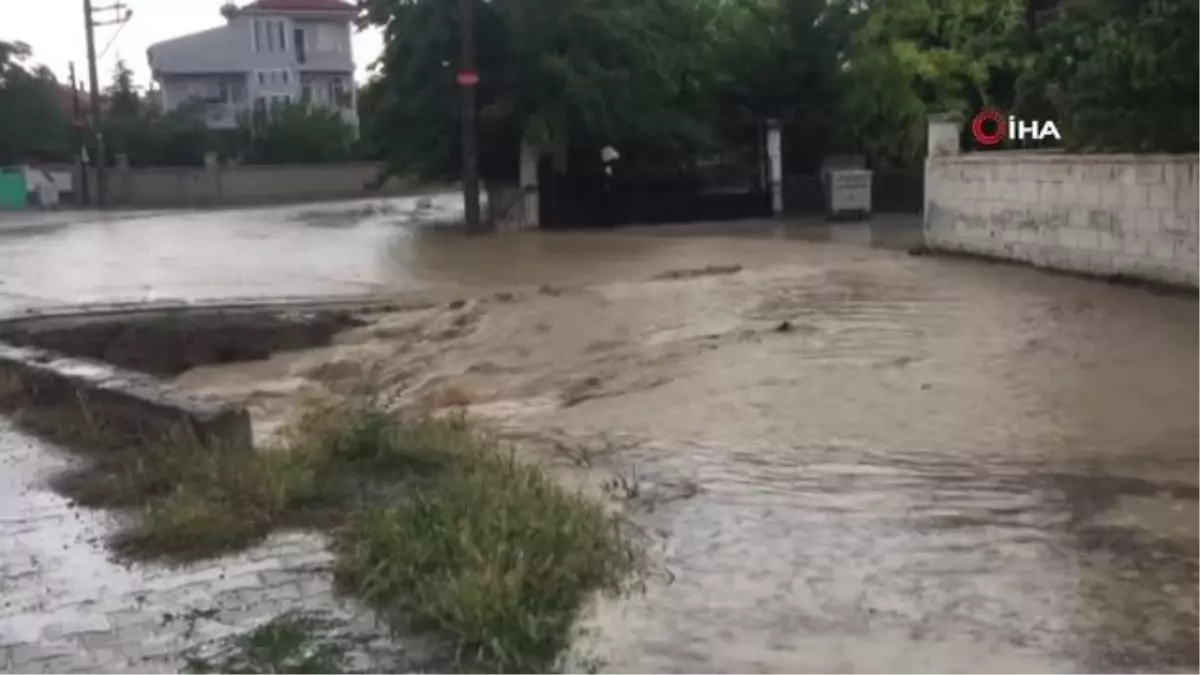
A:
[108, 396]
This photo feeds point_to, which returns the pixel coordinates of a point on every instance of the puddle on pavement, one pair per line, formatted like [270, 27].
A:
[934, 465]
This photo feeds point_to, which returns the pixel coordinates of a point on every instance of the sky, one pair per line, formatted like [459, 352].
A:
[54, 29]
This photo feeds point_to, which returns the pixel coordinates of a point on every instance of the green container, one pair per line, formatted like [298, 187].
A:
[12, 190]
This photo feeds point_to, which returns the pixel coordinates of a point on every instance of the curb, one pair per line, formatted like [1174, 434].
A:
[111, 399]
[105, 365]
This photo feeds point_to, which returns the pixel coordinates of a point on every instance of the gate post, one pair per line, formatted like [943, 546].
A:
[943, 135]
[942, 141]
[528, 182]
[775, 165]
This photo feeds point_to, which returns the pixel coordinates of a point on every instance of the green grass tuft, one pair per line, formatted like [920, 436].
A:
[435, 521]
[494, 553]
[287, 644]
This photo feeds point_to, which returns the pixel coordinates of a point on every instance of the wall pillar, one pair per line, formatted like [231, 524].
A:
[942, 140]
[212, 178]
[775, 165]
[528, 181]
[122, 180]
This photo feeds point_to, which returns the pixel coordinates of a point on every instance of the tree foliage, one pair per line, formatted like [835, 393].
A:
[565, 76]
[670, 81]
[1119, 74]
[911, 58]
[33, 124]
[123, 101]
[778, 60]
[300, 134]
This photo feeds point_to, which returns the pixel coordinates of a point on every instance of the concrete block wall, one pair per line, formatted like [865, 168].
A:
[215, 186]
[1127, 215]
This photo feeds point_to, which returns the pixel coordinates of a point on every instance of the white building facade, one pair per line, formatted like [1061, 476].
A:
[269, 53]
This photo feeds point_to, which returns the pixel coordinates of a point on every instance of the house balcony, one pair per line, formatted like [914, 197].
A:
[221, 115]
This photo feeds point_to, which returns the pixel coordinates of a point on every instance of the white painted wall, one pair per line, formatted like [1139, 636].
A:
[1132, 215]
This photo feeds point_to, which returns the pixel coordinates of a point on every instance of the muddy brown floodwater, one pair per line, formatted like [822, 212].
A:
[933, 465]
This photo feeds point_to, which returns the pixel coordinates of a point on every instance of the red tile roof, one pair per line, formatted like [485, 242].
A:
[303, 6]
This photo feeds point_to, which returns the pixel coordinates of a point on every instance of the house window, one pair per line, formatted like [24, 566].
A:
[257, 36]
[262, 77]
[326, 38]
[298, 38]
[285, 77]
[281, 35]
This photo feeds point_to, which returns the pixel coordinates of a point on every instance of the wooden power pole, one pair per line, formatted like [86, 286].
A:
[98, 160]
[121, 14]
[77, 139]
[467, 80]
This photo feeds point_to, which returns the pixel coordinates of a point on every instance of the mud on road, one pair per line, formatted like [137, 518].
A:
[846, 459]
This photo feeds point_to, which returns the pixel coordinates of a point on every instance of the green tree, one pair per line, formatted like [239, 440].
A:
[124, 128]
[123, 101]
[33, 124]
[146, 136]
[300, 134]
[910, 58]
[369, 146]
[178, 138]
[565, 76]
[1118, 75]
[778, 59]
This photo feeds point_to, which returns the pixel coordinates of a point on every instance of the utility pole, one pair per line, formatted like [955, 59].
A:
[94, 122]
[89, 24]
[468, 79]
[77, 127]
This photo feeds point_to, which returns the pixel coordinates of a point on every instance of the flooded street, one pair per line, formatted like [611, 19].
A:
[932, 465]
[333, 249]
[843, 458]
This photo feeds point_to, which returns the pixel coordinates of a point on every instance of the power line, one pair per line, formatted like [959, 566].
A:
[111, 40]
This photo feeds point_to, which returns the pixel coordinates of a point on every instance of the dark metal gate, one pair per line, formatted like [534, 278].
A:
[727, 187]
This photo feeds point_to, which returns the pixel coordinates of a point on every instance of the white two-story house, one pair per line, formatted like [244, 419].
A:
[270, 52]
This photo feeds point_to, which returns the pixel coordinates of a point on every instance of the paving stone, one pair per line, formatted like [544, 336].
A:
[29, 654]
[65, 606]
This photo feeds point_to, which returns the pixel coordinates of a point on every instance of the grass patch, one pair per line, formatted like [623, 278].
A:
[435, 524]
[494, 553]
[287, 644]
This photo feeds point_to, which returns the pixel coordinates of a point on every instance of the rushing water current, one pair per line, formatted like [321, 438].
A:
[845, 459]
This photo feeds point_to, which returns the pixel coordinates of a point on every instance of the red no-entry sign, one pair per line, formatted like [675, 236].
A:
[468, 78]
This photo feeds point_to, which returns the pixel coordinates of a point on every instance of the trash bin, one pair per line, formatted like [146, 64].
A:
[848, 194]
